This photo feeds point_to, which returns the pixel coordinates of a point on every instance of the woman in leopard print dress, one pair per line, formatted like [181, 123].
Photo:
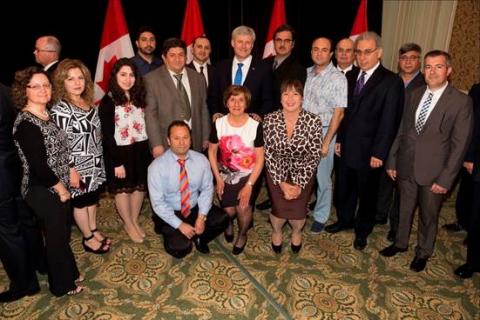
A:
[292, 141]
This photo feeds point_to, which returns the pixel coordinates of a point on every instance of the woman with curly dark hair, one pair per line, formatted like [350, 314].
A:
[125, 143]
[43, 150]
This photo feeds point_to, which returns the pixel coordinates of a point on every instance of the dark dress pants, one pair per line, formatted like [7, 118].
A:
[357, 186]
[14, 252]
[175, 242]
[473, 239]
[55, 216]
[388, 201]
[429, 205]
[463, 204]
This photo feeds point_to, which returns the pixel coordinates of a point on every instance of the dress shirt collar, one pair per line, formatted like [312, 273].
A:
[49, 65]
[369, 72]
[350, 67]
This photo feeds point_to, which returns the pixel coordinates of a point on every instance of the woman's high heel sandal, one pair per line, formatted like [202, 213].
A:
[105, 241]
[277, 249]
[296, 248]
[100, 250]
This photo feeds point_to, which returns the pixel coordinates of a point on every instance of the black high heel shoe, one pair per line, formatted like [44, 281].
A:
[106, 240]
[237, 250]
[228, 237]
[296, 248]
[277, 249]
[100, 250]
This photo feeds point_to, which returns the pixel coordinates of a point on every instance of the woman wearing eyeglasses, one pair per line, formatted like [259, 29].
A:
[75, 113]
[43, 150]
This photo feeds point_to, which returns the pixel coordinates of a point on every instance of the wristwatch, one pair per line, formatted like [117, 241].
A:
[203, 217]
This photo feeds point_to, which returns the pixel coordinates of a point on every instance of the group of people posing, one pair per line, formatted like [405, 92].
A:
[397, 141]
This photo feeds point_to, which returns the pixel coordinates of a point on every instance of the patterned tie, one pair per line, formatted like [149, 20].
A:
[422, 116]
[185, 112]
[360, 84]
[184, 190]
[238, 76]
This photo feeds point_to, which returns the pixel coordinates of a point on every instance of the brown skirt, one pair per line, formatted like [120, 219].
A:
[289, 209]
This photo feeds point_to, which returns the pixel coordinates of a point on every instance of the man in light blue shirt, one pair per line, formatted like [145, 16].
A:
[326, 96]
[180, 228]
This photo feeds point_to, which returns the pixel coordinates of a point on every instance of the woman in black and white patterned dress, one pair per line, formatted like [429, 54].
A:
[293, 142]
[75, 113]
[43, 150]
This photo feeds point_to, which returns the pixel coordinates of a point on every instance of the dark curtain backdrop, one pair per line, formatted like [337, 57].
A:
[79, 25]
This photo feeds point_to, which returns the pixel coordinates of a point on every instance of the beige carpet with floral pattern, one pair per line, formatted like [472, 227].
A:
[327, 280]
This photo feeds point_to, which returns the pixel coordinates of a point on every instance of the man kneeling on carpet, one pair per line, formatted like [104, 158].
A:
[180, 183]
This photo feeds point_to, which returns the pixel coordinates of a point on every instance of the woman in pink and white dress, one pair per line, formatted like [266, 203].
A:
[236, 156]
[125, 143]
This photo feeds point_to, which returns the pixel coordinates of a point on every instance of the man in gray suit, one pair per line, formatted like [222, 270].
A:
[175, 93]
[427, 154]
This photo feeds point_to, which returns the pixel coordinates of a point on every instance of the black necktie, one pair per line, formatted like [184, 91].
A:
[203, 74]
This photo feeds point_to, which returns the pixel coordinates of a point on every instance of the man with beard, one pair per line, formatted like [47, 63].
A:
[146, 43]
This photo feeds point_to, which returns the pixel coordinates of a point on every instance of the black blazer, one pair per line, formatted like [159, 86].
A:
[290, 68]
[10, 168]
[259, 81]
[210, 70]
[372, 118]
[473, 152]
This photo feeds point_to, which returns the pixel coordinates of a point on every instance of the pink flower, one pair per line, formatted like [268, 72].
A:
[244, 160]
[124, 133]
[137, 126]
[127, 108]
[235, 155]
[116, 119]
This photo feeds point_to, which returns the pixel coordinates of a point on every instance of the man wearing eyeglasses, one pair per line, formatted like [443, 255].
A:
[409, 63]
[375, 100]
[285, 66]
[47, 53]
[427, 154]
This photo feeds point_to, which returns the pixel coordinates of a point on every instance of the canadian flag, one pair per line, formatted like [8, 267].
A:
[115, 44]
[192, 26]
[360, 23]
[278, 18]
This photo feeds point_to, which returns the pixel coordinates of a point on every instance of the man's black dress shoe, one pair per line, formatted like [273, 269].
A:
[10, 296]
[418, 264]
[466, 271]
[336, 227]
[452, 227]
[267, 204]
[277, 249]
[391, 250]
[391, 236]
[201, 246]
[360, 243]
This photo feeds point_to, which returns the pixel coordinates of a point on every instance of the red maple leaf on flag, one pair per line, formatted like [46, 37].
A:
[107, 67]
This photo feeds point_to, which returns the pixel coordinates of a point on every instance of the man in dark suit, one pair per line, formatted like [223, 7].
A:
[345, 56]
[284, 63]
[47, 53]
[201, 49]
[14, 254]
[472, 167]
[175, 93]
[375, 97]
[409, 63]
[427, 154]
[465, 196]
[243, 70]
[285, 66]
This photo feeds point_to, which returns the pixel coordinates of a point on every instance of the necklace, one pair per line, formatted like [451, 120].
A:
[40, 114]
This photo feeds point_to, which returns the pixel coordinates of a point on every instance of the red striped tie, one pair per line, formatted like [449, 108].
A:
[184, 192]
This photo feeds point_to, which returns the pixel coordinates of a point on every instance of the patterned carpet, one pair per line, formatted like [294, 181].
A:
[327, 280]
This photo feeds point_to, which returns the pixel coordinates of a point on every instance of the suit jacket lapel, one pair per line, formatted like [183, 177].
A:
[375, 78]
[251, 73]
[439, 109]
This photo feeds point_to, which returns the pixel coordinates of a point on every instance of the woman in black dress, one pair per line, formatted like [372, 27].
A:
[125, 144]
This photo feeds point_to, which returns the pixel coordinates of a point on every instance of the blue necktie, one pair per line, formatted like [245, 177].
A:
[360, 84]
[238, 76]
[422, 116]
